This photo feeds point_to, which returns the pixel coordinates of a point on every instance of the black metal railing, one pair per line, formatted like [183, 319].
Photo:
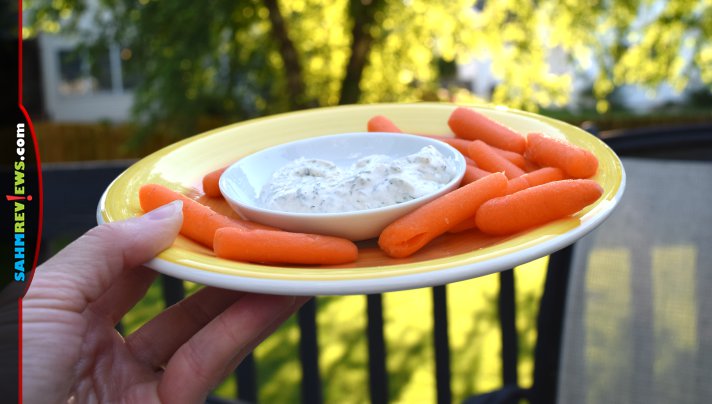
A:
[67, 215]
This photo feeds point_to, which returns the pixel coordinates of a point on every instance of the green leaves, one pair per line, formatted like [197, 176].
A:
[228, 61]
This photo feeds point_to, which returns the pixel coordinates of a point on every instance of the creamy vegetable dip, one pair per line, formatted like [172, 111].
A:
[320, 186]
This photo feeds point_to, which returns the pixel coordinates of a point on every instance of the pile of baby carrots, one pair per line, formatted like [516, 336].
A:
[512, 183]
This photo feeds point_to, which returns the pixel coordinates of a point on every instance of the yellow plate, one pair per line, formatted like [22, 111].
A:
[449, 258]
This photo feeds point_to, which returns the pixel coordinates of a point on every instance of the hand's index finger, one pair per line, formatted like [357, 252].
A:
[157, 340]
[202, 362]
[89, 266]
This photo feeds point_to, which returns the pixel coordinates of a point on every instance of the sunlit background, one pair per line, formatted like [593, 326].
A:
[117, 79]
[173, 68]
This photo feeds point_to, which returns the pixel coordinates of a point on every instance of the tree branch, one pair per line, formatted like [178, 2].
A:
[293, 68]
[363, 13]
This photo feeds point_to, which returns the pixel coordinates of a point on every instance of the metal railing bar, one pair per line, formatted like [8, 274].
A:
[442, 345]
[378, 377]
[507, 318]
[550, 323]
[173, 290]
[247, 380]
[309, 354]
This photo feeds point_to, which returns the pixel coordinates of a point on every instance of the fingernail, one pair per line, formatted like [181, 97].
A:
[165, 211]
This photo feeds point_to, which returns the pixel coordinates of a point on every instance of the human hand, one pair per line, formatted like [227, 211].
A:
[71, 351]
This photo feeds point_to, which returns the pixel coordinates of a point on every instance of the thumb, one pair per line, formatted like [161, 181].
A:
[92, 263]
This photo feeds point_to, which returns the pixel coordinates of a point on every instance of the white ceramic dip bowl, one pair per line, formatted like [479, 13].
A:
[243, 181]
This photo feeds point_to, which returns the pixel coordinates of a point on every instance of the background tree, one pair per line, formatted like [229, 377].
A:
[230, 60]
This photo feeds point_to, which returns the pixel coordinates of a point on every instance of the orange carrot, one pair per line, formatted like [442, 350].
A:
[535, 206]
[514, 158]
[489, 160]
[574, 161]
[464, 225]
[380, 123]
[282, 247]
[411, 232]
[211, 183]
[529, 165]
[199, 221]
[473, 174]
[460, 144]
[534, 178]
[537, 177]
[469, 124]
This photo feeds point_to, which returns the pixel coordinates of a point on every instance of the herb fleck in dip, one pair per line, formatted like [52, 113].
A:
[320, 186]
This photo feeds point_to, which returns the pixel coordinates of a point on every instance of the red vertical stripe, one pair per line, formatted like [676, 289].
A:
[19, 52]
[19, 102]
[19, 351]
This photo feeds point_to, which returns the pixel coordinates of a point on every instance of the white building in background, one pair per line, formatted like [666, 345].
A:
[79, 88]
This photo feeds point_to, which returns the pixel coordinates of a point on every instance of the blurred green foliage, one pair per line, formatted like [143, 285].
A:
[475, 342]
[231, 60]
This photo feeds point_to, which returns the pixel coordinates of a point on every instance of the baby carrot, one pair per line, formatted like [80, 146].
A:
[276, 246]
[529, 165]
[472, 174]
[466, 224]
[380, 123]
[537, 177]
[514, 158]
[534, 178]
[211, 181]
[199, 221]
[462, 145]
[469, 124]
[489, 160]
[535, 206]
[574, 161]
[411, 232]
